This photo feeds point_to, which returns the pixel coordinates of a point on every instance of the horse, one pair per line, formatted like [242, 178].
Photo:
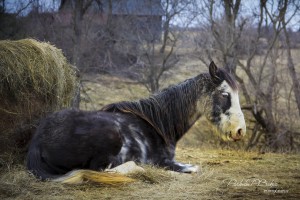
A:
[73, 143]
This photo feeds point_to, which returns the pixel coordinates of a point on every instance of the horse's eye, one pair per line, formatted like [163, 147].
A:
[225, 94]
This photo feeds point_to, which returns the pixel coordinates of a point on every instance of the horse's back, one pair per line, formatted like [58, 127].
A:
[72, 139]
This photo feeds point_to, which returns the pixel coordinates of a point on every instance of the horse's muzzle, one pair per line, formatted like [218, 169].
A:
[238, 135]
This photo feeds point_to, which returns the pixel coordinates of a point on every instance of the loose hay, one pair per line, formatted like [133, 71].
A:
[35, 78]
[152, 175]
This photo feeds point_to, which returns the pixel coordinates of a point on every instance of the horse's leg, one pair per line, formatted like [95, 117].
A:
[99, 162]
[180, 167]
[109, 144]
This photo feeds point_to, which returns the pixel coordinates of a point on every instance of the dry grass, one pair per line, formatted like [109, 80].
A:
[29, 66]
[225, 175]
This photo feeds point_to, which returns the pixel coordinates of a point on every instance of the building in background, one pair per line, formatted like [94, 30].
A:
[140, 18]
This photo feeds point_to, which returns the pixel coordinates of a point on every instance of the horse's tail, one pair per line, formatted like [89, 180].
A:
[40, 169]
[80, 176]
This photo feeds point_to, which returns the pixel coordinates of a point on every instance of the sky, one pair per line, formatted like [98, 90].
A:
[16, 5]
[53, 5]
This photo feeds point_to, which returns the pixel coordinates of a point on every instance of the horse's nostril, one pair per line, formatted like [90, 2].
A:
[239, 132]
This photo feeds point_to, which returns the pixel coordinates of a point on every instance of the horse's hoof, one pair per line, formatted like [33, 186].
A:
[191, 169]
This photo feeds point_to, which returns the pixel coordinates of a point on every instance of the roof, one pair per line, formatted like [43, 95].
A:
[135, 7]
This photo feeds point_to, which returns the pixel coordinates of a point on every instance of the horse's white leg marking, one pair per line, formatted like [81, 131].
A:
[124, 149]
[191, 169]
[143, 150]
[118, 126]
[143, 145]
[188, 168]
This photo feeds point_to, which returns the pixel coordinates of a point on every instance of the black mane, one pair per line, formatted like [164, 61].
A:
[168, 111]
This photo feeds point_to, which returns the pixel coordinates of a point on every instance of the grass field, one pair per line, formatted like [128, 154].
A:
[225, 174]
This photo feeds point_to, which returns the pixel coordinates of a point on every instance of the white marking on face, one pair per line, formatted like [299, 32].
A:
[234, 120]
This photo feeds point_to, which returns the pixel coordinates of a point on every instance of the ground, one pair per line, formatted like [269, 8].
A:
[227, 172]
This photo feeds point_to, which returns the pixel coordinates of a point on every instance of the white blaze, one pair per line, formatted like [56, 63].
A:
[235, 120]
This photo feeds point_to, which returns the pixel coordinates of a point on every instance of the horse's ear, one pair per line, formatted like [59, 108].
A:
[213, 69]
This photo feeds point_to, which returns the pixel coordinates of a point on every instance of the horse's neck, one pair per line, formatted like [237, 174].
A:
[193, 95]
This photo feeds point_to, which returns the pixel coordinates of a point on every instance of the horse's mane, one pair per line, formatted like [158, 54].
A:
[168, 111]
[223, 75]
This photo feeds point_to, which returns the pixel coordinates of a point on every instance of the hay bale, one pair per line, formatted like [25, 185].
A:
[35, 78]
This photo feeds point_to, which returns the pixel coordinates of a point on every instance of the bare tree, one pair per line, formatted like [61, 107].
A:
[253, 57]
[79, 8]
[156, 57]
[290, 64]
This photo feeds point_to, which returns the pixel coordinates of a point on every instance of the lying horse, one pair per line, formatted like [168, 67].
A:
[145, 131]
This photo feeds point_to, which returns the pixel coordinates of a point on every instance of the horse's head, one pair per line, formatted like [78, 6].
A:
[225, 111]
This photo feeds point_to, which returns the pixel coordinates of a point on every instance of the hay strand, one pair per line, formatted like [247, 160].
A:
[35, 78]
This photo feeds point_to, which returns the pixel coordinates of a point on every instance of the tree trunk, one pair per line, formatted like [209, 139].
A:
[77, 20]
[230, 56]
[79, 8]
[291, 68]
[165, 36]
